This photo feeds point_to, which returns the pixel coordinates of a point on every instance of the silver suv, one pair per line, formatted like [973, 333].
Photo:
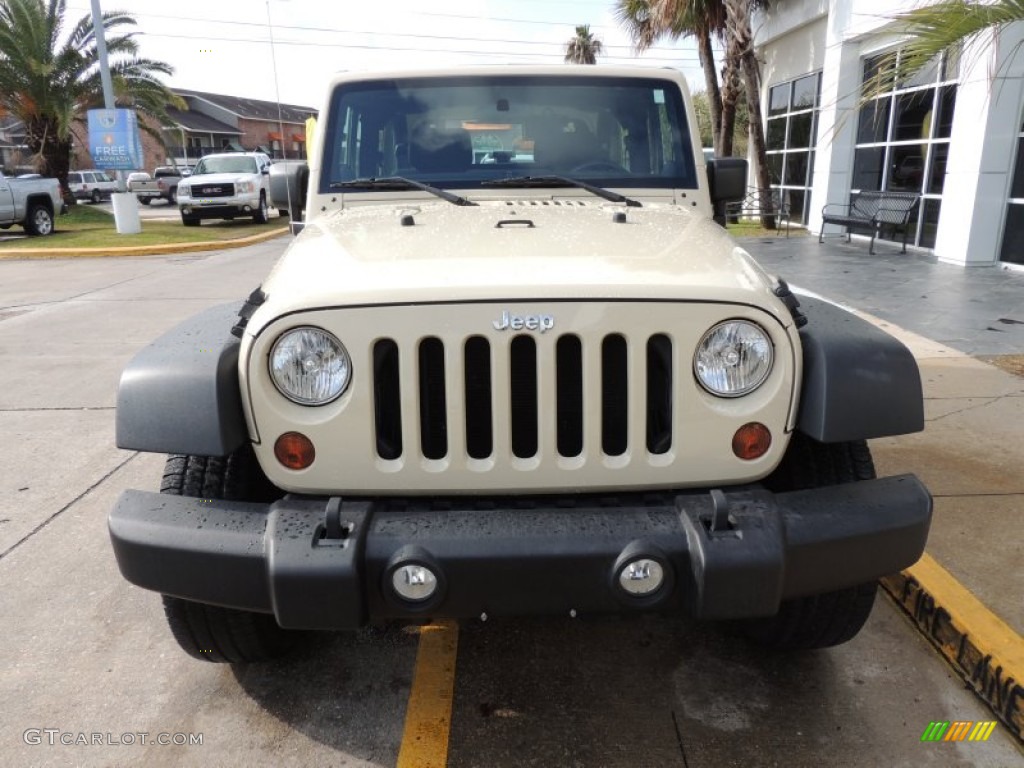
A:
[91, 185]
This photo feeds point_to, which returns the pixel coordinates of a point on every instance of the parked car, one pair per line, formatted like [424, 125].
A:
[467, 390]
[31, 203]
[162, 186]
[91, 185]
[225, 186]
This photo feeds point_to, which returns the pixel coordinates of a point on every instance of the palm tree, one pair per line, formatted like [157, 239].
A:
[935, 28]
[729, 20]
[48, 79]
[583, 48]
[648, 20]
[740, 46]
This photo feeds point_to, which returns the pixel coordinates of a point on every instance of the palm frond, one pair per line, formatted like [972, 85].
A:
[935, 29]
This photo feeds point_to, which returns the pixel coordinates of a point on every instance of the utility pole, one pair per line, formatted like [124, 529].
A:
[126, 214]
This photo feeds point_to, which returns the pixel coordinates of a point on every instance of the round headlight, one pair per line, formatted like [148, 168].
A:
[309, 366]
[733, 359]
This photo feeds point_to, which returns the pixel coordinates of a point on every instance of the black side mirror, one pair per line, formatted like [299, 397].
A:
[727, 182]
[288, 183]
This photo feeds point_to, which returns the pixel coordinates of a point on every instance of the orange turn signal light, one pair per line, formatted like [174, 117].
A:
[751, 441]
[294, 450]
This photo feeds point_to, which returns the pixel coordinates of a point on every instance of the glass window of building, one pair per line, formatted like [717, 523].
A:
[790, 135]
[903, 139]
[1012, 250]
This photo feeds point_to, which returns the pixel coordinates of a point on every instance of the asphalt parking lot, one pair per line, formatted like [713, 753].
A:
[87, 654]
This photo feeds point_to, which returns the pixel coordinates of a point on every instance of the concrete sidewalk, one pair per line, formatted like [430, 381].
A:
[971, 453]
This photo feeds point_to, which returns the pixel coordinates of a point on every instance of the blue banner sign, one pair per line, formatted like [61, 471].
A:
[114, 139]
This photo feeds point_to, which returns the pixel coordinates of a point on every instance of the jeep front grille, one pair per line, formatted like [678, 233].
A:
[524, 410]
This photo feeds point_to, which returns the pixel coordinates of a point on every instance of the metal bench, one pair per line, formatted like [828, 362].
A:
[754, 206]
[874, 211]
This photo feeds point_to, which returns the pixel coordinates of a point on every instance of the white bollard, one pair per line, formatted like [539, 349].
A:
[126, 213]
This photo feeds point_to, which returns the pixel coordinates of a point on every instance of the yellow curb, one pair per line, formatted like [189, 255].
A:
[428, 716]
[983, 649]
[140, 250]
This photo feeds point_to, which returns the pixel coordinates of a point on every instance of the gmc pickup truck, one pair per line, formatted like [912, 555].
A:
[32, 203]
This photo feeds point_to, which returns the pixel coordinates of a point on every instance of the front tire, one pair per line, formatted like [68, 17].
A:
[209, 632]
[190, 221]
[831, 618]
[225, 636]
[95, 196]
[262, 215]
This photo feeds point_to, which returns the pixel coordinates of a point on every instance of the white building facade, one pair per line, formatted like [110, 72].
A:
[954, 134]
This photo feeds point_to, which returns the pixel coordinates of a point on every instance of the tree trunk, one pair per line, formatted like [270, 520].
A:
[752, 76]
[730, 97]
[51, 154]
[741, 50]
[707, 63]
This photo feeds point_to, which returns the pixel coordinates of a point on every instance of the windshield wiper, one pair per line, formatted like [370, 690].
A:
[400, 182]
[562, 181]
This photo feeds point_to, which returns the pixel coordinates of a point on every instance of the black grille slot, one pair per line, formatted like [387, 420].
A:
[387, 399]
[659, 394]
[614, 395]
[569, 394]
[523, 393]
[433, 409]
[479, 425]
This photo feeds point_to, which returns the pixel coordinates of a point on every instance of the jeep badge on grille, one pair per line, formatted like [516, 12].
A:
[508, 321]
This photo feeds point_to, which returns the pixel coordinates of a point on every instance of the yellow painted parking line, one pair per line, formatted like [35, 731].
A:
[980, 646]
[428, 716]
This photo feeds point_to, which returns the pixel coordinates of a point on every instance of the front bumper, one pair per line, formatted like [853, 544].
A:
[216, 207]
[318, 563]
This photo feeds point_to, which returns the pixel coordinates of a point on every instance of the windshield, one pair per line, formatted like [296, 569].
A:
[460, 132]
[240, 164]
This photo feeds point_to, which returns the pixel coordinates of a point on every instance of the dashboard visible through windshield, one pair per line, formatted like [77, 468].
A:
[463, 132]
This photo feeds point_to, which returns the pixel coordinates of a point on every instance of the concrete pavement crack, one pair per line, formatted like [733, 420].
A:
[1005, 494]
[79, 295]
[59, 408]
[66, 507]
[679, 739]
[985, 402]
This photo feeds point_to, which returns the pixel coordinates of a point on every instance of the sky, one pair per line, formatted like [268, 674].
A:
[225, 46]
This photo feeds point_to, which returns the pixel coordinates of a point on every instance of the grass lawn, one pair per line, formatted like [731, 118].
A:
[87, 227]
[753, 228]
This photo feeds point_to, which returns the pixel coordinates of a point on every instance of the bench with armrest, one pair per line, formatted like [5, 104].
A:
[753, 205]
[872, 210]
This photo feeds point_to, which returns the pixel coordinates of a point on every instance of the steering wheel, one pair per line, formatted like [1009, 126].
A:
[596, 166]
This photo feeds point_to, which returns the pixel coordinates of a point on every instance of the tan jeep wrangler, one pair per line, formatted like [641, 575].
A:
[511, 365]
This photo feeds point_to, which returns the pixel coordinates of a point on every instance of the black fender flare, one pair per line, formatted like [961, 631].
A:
[181, 394]
[859, 382]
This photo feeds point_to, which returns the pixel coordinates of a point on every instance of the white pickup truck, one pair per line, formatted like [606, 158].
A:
[32, 203]
[163, 185]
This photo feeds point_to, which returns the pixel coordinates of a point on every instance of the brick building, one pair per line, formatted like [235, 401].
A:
[215, 123]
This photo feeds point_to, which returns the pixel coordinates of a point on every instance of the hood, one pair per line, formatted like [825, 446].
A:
[513, 250]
